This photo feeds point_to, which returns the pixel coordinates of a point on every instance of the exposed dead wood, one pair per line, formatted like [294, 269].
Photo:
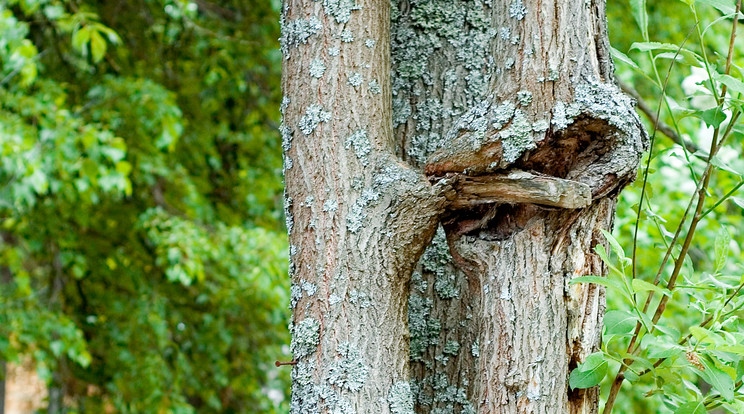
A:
[519, 187]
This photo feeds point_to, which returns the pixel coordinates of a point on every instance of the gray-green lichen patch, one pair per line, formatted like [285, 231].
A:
[334, 51]
[502, 114]
[295, 294]
[418, 282]
[309, 288]
[563, 115]
[509, 63]
[297, 32]
[340, 9]
[541, 125]
[524, 97]
[288, 218]
[424, 330]
[355, 217]
[347, 36]
[553, 75]
[517, 138]
[349, 371]
[374, 87]
[286, 133]
[382, 181]
[439, 396]
[330, 205]
[517, 10]
[317, 68]
[505, 33]
[334, 299]
[424, 144]
[370, 43]
[314, 115]
[284, 105]
[305, 394]
[446, 285]
[355, 79]
[451, 348]
[362, 148]
[288, 163]
[305, 337]
[400, 398]
[475, 349]
[437, 254]
[597, 100]
[401, 111]
[360, 299]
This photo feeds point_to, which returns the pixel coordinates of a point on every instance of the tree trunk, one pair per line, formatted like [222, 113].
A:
[508, 107]
[358, 218]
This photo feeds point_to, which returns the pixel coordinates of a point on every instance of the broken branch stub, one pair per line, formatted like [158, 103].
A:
[518, 187]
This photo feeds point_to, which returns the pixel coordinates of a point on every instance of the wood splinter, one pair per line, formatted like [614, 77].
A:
[519, 187]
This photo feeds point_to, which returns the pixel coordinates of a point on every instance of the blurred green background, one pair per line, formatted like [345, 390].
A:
[142, 245]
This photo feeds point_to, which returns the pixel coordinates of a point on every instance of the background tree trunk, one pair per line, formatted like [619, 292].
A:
[477, 88]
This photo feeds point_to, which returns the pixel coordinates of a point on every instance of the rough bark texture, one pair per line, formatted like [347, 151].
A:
[477, 94]
[483, 88]
[358, 218]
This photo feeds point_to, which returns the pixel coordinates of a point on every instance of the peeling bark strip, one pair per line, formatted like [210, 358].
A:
[504, 102]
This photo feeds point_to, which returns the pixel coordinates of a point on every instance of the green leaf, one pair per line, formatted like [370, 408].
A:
[643, 286]
[723, 240]
[733, 84]
[692, 407]
[97, 46]
[90, 169]
[622, 57]
[717, 378]
[590, 372]
[602, 281]
[56, 346]
[682, 56]
[80, 38]
[614, 243]
[724, 6]
[734, 349]
[124, 167]
[713, 117]
[688, 56]
[639, 14]
[723, 165]
[619, 322]
[701, 333]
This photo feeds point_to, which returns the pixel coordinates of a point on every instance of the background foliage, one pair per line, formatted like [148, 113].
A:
[141, 247]
[142, 255]
[673, 53]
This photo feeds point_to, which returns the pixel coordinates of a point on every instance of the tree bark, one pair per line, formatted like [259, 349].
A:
[358, 218]
[491, 92]
[508, 107]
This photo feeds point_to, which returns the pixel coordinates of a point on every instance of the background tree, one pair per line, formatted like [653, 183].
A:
[141, 245]
[481, 93]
